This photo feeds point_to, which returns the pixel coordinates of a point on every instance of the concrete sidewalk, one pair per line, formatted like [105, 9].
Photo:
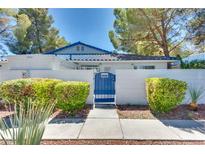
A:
[103, 123]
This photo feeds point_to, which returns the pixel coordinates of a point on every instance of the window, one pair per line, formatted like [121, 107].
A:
[148, 67]
[88, 67]
[82, 48]
[77, 48]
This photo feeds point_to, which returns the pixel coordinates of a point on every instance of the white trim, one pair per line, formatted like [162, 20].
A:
[119, 61]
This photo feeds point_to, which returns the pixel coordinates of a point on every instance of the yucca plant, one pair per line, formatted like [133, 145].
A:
[26, 126]
[195, 95]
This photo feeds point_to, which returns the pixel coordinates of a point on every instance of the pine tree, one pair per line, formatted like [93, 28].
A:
[37, 36]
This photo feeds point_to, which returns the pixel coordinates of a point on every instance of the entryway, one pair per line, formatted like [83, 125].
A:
[104, 89]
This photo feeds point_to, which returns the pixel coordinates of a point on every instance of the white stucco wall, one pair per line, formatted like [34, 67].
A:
[3, 65]
[67, 75]
[36, 62]
[130, 84]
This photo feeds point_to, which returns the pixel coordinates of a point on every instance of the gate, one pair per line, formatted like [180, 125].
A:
[104, 87]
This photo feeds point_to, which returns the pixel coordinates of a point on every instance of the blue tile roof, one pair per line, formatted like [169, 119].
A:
[119, 57]
[78, 43]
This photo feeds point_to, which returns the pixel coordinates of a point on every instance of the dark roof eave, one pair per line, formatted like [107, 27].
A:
[77, 43]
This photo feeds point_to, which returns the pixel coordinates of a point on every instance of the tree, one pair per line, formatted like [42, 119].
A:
[11, 23]
[20, 44]
[5, 24]
[54, 40]
[196, 29]
[39, 36]
[149, 31]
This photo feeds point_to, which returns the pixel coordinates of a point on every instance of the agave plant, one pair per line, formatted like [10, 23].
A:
[26, 126]
[195, 95]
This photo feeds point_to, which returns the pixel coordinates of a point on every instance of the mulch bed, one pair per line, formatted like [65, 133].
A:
[6, 111]
[143, 112]
[120, 142]
[59, 114]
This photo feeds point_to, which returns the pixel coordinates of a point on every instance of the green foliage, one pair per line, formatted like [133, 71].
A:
[195, 64]
[164, 94]
[71, 96]
[149, 31]
[195, 93]
[36, 36]
[44, 89]
[54, 40]
[6, 24]
[27, 125]
[196, 29]
[16, 91]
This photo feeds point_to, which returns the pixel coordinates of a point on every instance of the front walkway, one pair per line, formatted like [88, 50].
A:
[103, 123]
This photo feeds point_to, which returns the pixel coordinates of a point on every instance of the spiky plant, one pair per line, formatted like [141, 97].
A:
[195, 94]
[26, 126]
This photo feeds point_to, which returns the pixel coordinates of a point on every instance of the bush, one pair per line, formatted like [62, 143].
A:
[44, 89]
[195, 64]
[71, 96]
[18, 91]
[164, 94]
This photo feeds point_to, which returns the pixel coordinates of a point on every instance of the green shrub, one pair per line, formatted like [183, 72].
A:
[71, 96]
[16, 90]
[195, 64]
[164, 94]
[44, 89]
[39, 89]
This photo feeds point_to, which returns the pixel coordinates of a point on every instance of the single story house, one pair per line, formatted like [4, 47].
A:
[83, 56]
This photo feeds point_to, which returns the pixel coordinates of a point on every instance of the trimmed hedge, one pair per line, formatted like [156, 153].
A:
[164, 94]
[39, 89]
[70, 96]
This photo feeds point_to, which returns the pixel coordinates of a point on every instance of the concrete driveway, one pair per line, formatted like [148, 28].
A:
[104, 123]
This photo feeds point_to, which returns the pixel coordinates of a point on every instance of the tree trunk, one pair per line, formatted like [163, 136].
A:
[166, 52]
[38, 36]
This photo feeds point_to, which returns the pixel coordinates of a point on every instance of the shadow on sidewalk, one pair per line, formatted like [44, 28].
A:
[186, 125]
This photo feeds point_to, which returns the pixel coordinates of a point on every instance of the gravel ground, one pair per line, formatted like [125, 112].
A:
[81, 114]
[142, 112]
[117, 142]
[4, 112]
[120, 142]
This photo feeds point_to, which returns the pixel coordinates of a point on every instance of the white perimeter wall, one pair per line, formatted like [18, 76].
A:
[130, 84]
[67, 75]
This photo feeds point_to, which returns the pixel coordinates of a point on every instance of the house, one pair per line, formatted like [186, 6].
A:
[77, 61]
[83, 56]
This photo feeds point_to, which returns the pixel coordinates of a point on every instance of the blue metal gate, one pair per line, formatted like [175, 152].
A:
[104, 87]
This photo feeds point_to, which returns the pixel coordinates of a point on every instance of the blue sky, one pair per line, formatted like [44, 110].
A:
[86, 25]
